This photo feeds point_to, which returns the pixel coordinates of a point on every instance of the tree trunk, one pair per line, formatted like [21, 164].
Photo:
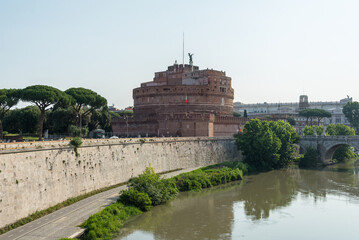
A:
[77, 119]
[80, 125]
[1, 132]
[42, 118]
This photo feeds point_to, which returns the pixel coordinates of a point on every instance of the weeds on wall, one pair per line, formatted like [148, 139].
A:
[76, 143]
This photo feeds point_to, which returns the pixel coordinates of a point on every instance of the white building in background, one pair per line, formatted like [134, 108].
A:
[267, 110]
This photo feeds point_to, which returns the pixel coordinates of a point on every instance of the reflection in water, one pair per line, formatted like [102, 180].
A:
[260, 203]
[192, 215]
[267, 191]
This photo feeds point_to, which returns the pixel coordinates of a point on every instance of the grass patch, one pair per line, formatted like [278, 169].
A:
[29, 138]
[106, 223]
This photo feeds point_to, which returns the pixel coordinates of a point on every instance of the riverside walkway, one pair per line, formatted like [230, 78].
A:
[63, 223]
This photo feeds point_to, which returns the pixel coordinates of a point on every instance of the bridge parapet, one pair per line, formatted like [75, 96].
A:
[329, 137]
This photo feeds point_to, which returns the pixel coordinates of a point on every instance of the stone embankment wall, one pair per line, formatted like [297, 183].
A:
[38, 175]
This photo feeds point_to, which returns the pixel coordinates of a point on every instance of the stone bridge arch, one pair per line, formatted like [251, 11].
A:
[327, 145]
[330, 148]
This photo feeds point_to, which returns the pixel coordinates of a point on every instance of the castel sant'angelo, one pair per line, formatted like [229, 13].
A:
[182, 101]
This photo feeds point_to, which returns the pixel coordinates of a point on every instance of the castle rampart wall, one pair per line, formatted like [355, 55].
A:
[35, 176]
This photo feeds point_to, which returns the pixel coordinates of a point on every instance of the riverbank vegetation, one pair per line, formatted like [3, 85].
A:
[148, 190]
[267, 145]
[104, 224]
[309, 159]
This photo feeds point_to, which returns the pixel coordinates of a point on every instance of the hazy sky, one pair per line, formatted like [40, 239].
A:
[273, 50]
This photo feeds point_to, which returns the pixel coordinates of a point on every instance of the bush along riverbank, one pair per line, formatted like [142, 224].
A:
[148, 190]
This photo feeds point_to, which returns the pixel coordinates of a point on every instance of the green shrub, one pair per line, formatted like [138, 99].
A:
[310, 158]
[267, 145]
[196, 180]
[344, 153]
[320, 130]
[192, 181]
[235, 164]
[75, 131]
[76, 142]
[104, 224]
[159, 190]
[136, 198]
[308, 131]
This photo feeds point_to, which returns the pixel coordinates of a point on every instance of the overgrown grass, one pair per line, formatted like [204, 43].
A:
[42, 213]
[207, 177]
[159, 190]
[106, 223]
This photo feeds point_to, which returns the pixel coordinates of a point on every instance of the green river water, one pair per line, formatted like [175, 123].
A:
[283, 204]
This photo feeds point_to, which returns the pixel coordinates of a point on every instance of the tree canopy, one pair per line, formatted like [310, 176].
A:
[319, 114]
[339, 130]
[43, 97]
[291, 121]
[23, 120]
[85, 101]
[8, 99]
[267, 145]
[351, 112]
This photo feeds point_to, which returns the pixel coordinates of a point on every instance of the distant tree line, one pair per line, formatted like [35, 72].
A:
[350, 111]
[74, 111]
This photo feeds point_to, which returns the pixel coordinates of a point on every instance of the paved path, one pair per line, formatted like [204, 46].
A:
[62, 223]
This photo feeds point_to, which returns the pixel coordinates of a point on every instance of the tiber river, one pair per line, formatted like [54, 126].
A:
[284, 204]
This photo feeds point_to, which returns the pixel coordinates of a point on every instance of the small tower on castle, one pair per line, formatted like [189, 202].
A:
[303, 102]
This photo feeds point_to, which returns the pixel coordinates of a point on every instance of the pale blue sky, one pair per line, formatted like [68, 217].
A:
[273, 50]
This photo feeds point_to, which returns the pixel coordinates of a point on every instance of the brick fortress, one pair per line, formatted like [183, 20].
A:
[182, 101]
